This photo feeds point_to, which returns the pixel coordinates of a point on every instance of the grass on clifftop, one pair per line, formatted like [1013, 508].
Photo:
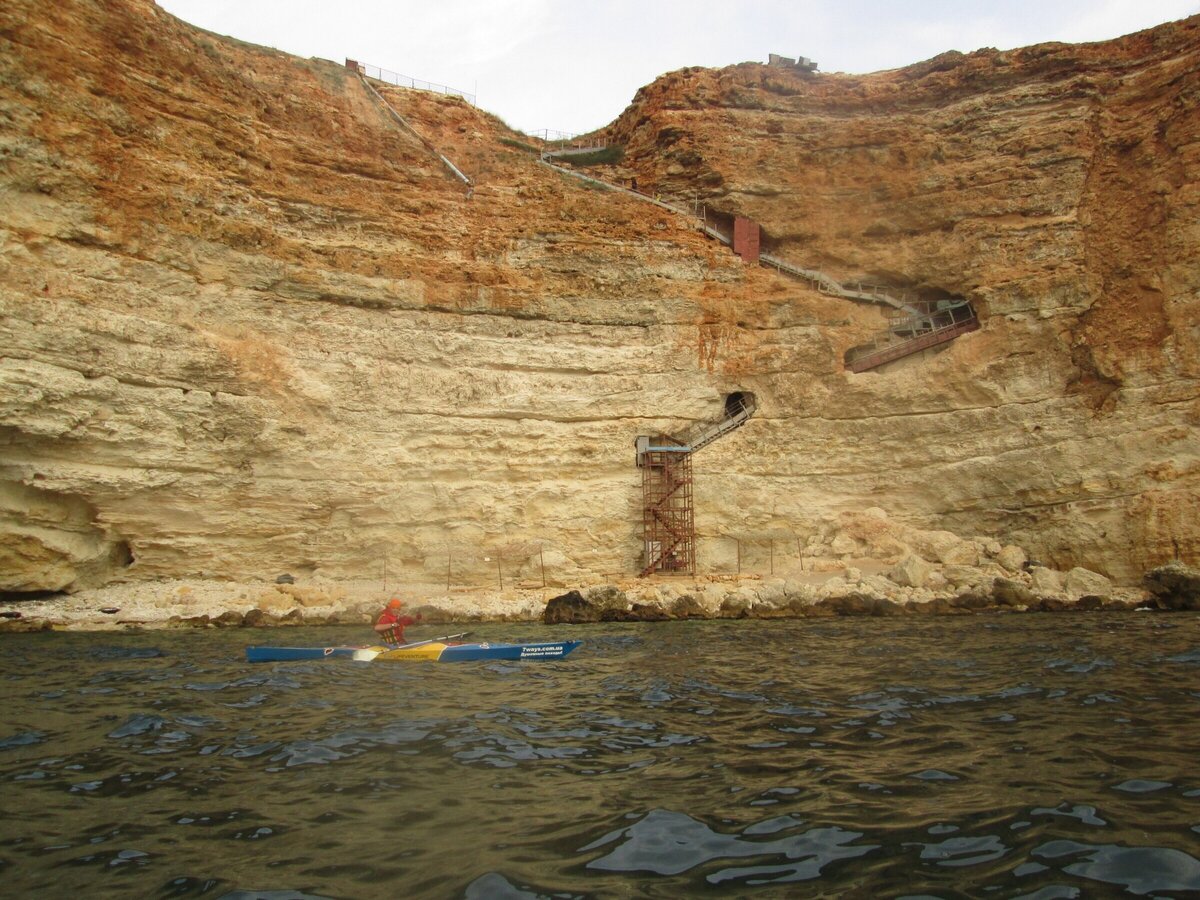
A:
[609, 156]
[520, 145]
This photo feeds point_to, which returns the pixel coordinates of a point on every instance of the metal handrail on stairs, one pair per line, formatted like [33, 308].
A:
[667, 519]
[826, 284]
[574, 150]
[702, 434]
[404, 123]
[870, 293]
[936, 323]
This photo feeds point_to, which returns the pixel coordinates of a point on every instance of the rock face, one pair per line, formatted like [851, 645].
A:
[1081, 582]
[1175, 586]
[912, 571]
[50, 542]
[572, 608]
[1055, 187]
[248, 326]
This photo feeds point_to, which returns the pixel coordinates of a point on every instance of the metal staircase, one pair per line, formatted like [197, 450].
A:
[860, 291]
[934, 322]
[668, 517]
[738, 409]
[916, 326]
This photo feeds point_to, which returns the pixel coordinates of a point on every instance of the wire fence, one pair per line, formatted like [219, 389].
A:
[566, 140]
[536, 564]
[727, 555]
[526, 565]
[552, 136]
[407, 81]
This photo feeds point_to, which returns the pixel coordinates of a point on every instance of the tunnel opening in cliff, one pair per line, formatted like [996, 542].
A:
[931, 294]
[719, 221]
[738, 402]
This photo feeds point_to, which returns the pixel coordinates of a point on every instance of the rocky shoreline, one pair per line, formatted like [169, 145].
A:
[855, 564]
[846, 592]
[1167, 589]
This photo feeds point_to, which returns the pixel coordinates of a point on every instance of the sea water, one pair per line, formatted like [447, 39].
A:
[1025, 755]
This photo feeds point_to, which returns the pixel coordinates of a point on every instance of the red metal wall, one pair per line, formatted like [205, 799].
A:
[746, 235]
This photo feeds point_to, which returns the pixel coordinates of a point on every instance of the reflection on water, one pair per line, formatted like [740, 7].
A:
[1034, 756]
[668, 843]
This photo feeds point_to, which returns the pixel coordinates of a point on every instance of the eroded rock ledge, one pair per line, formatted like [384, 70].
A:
[1173, 587]
[855, 563]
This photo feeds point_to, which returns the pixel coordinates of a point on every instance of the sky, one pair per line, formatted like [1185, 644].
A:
[574, 65]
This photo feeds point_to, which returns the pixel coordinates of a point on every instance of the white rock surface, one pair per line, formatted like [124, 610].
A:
[1081, 582]
[1046, 581]
[1012, 558]
[912, 571]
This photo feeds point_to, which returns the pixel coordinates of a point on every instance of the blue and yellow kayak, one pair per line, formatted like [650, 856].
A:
[431, 651]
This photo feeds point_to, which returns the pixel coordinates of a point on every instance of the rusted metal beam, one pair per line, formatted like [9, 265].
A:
[916, 345]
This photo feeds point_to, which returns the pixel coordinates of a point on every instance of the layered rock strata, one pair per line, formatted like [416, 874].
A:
[1053, 186]
[249, 326]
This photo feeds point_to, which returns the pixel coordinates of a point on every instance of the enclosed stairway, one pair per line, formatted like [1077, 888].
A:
[668, 515]
[928, 324]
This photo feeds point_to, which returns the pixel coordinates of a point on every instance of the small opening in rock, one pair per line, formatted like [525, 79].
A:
[18, 596]
[737, 402]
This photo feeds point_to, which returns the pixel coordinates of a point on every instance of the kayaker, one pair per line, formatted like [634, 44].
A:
[391, 624]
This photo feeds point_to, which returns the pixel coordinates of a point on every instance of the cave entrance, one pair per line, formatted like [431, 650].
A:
[737, 403]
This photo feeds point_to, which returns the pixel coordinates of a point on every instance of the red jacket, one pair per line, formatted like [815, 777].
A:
[395, 634]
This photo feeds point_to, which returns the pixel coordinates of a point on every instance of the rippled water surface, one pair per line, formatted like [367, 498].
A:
[1043, 756]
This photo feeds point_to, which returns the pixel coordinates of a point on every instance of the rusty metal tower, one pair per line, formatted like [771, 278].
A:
[668, 516]
[668, 519]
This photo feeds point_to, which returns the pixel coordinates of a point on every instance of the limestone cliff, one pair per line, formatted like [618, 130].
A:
[248, 325]
[1054, 186]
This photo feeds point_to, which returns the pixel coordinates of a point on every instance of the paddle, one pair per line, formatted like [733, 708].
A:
[369, 654]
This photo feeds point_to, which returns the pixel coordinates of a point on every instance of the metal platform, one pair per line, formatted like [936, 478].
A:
[939, 323]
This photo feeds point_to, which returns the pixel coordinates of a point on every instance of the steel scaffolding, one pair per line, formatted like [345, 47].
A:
[668, 519]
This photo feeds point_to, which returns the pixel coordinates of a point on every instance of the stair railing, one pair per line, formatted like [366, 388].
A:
[826, 284]
[404, 123]
[704, 433]
[937, 322]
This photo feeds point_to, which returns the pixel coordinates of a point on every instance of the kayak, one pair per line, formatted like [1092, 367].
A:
[431, 651]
